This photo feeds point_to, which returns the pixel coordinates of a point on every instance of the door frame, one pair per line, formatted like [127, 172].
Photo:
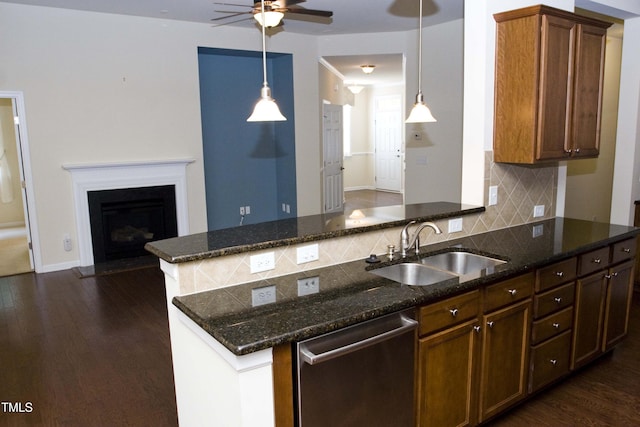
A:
[24, 165]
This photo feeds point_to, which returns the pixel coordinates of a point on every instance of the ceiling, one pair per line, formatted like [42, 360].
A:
[349, 16]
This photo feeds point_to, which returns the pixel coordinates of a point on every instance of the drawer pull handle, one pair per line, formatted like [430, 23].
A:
[559, 273]
[490, 324]
[477, 328]
[454, 312]
[626, 250]
[512, 292]
[558, 300]
[596, 260]
[556, 325]
[554, 362]
[610, 276]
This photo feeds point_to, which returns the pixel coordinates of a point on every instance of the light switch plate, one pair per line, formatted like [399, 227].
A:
[538, 211]
[455, 225]
[493, 195]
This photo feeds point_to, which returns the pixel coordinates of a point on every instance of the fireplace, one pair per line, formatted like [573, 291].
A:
[92, 177]
[124, 220]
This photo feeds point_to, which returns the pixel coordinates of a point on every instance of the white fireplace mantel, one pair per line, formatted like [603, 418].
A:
[110, 176]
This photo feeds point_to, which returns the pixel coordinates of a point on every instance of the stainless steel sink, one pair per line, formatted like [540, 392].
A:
[462, 263]
[413, 274]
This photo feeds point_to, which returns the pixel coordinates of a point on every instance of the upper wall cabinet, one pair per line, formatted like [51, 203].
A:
[548, 88]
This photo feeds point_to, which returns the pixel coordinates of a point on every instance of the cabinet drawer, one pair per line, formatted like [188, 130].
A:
[550, 361]
[449, 312]
[546, 328]
[593, 261]
[508, 292]
[553, 300]
[624, 250]
[556, 274]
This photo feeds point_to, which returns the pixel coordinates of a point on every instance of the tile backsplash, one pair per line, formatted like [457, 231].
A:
[520, 188]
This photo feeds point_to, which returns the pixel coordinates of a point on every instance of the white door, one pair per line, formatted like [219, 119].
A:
[388, 142]
[332, 158]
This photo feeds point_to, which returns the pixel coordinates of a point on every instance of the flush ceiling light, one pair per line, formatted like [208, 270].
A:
[420, 113]
[271, 18]
[355, 89]
[368, 69]
[266, 110]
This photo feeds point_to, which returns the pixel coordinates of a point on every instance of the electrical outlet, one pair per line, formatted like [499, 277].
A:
[455, 225]
[264, 295]
[247, 210]
[284, 207]
[241, 210]
[307, 253]
[538, 210]
[288, 209]
[66, 243]
[493, 195]
[538, 230]
[262, 262]
[308, 286]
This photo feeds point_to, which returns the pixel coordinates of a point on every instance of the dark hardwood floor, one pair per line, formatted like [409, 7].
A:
[96, 352]
[85, 352]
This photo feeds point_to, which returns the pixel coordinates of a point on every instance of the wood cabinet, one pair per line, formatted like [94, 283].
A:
[473, 351]
[505, 344]
[447, 359]
[548, 85]
[552, 325]
[602, 302]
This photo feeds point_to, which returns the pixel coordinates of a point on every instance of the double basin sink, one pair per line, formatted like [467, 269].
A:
[440, 267]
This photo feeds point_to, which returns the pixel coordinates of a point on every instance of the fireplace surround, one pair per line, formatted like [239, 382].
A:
[110, 176]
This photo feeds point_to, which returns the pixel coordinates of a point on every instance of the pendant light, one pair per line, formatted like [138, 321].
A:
[420, 113]
[266, 109]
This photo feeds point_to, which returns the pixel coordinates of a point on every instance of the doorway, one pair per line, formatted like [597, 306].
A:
[16, 255]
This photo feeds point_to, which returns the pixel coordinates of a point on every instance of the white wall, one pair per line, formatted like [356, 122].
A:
[107, 88]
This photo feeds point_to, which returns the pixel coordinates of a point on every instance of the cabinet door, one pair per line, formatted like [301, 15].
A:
[556, 66]
[618, 304]
[588, 82]
[446, 384]
[587, 324]
[505, 352]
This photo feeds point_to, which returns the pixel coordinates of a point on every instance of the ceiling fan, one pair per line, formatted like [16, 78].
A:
[275, 8]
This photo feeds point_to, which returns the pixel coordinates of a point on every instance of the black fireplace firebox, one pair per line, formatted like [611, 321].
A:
[124, 220]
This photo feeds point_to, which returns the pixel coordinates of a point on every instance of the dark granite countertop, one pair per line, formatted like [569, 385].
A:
[292, 231]
[350, 294]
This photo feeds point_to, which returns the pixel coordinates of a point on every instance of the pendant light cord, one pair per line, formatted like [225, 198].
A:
[420, 52]
[264, 48]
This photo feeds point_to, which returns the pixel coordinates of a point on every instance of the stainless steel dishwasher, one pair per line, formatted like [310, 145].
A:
[362, 375]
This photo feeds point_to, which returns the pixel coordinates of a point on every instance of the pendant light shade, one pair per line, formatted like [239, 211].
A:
[420, 113]
[266, 109]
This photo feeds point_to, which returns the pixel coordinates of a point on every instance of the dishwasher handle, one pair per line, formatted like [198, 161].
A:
[308, 356]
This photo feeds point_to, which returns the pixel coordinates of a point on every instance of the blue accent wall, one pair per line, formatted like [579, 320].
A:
[246, 164]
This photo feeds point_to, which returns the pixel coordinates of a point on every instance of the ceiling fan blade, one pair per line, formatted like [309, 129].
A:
[231, 22]
[231, 15]
[314, 12]
[233, 4]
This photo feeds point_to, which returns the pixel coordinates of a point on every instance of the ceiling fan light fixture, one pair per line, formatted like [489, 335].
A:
[271, 18]
[420, 113]
[266, 109]
[367, 69]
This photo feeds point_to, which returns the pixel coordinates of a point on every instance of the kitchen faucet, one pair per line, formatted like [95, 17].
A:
[406, 242]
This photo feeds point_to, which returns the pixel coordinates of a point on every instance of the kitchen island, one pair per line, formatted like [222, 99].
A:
[222, 346]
